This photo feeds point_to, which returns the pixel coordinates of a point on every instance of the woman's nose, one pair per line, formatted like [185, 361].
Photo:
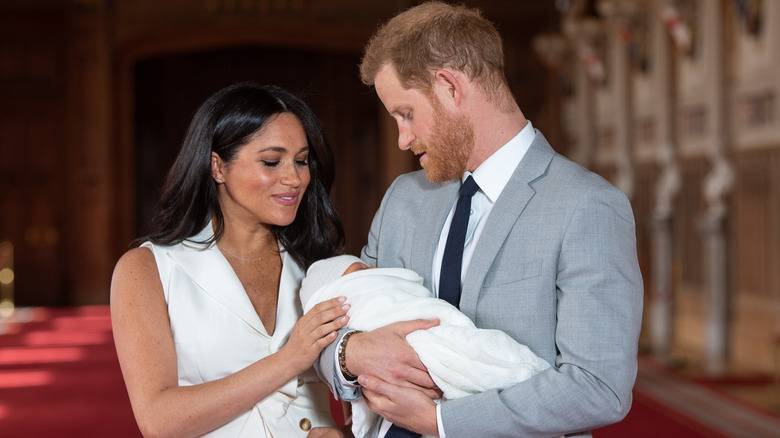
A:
[291, 176]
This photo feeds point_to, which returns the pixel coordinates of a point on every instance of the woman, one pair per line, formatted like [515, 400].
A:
[204, 312]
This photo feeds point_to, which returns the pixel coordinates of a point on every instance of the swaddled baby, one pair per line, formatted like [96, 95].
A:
[461, 358]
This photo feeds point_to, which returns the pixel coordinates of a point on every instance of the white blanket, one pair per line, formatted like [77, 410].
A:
[460, 358]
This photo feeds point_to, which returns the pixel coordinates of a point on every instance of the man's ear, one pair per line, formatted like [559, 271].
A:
[448, 86]
[216, 167]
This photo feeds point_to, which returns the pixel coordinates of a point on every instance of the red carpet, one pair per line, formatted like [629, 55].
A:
[650, 420]
[59, 377]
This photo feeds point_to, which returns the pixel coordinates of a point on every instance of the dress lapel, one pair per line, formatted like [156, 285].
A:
[209, 269]
[288, 307]
[507, 209]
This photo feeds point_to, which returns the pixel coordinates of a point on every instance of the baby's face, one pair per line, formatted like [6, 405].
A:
[357, 266]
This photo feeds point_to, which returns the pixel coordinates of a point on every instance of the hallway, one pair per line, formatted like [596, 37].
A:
[59, 376]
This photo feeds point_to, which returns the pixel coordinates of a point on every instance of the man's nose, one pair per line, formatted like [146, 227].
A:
[405, 138]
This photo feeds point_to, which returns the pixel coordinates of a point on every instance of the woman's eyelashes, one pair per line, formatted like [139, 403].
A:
[300, 162]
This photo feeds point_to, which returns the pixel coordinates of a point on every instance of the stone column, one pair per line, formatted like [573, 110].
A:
[661, 312]
[618, 14]
[713, 226]
[716, 186]
[582, 34]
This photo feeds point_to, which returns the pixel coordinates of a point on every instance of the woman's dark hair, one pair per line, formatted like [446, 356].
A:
[223, 124]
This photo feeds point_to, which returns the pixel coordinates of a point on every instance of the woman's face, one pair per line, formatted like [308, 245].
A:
[266, 181]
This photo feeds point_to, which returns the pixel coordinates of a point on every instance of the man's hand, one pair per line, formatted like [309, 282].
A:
[331, 432]
[404, 406]
[385, 352]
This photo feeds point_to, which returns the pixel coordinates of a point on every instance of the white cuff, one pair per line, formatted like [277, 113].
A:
[339, 375]
[438, 421]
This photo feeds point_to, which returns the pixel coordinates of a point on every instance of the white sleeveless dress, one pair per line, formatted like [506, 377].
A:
[217, 332]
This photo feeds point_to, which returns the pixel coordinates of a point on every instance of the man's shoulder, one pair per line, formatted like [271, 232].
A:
[415, 180]
[412, 192]
[416, 185]
[578, 175]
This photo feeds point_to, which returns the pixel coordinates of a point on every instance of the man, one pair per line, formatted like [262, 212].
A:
[550, 250]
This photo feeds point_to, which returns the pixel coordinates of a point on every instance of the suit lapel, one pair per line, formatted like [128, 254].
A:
[433, 212]
[507, 209]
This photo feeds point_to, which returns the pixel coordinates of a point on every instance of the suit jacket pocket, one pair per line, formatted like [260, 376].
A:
[511, 272]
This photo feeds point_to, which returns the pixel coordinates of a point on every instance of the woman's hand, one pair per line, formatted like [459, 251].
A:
[313, 332]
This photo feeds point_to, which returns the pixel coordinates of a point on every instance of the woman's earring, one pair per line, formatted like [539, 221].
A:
[219, 181]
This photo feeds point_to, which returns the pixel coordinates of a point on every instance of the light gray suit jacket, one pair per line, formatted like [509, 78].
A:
[555, 268]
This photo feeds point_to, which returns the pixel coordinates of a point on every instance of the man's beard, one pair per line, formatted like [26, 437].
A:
[451, 143]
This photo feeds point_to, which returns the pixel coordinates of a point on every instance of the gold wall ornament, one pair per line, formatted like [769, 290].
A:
[7, 278]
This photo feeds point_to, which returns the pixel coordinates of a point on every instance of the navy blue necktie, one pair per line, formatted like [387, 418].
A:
[400, 432]
[449, 281]
[451, 262]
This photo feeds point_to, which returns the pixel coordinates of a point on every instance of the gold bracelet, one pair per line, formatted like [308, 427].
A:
[343, 356]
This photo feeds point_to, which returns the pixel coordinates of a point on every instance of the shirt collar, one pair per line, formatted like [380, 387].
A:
[494, 173]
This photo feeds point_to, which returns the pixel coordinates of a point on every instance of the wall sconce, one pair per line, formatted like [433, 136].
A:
[6, 279]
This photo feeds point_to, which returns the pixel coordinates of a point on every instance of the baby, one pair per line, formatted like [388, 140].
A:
[461, 358]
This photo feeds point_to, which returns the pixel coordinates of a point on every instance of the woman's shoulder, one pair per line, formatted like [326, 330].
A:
[135, 260]
[135, 274]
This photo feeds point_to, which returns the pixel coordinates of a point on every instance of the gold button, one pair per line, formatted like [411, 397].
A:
[300, 383]
[305, 425]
